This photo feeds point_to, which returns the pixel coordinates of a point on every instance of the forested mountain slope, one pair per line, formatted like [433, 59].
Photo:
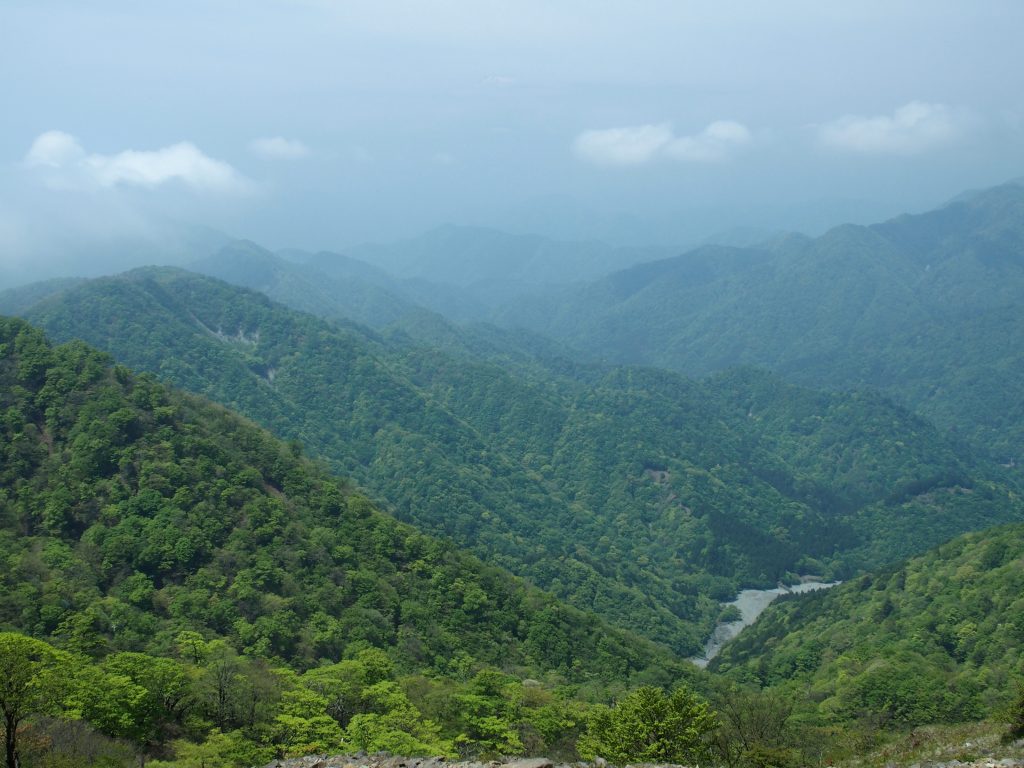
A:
[640, 494]
[131, 513]
[340, 288]
[207, 593]
[936, 638]
[925, 307]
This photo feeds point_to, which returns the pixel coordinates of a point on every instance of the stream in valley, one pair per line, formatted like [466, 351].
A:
[751, 604]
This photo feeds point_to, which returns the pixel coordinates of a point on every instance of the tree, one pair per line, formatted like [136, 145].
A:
[649, 725]
[32, 682]
[165, 694]
[753, 729]
[1015, 714]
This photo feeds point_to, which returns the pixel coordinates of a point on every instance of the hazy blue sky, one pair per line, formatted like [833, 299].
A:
[318, 123]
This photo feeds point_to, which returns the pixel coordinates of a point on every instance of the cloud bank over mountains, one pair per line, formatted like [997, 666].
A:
[640, 144]
[323, 124]
[61, 162]
[914, 128]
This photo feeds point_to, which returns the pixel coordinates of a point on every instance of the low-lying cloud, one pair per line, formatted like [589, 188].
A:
[914, 128]
[62, 162]
[641, 144]
[278, 147]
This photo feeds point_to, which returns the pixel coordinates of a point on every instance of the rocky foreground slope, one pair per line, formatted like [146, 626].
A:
[379, 761]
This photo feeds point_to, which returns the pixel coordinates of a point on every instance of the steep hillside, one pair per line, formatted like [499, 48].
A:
[176, 583]
[333, 390]
[935, 639]
[636, 493]
[923, 307]
[131, 513]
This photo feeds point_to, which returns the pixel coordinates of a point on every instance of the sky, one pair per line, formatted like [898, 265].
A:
[322, 123]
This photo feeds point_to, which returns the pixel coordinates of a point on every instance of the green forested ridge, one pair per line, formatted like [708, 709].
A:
[203, 580]
[330, 389]
[338, 288]
[937, 638]
[636, 493]
[924, 307]
[14, 301]
[174, 500]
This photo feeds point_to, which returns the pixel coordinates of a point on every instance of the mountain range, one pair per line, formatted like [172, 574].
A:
[922, 307]
[633, 492]
[477, 482]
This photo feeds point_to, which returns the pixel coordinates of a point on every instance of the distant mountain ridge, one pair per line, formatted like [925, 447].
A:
[924, 307]
[351, 290]
[464, 256]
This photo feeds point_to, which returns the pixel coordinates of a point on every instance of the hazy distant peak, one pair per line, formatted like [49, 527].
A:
[970, 195]
[848, 235]
[243, 247]
[786, 240]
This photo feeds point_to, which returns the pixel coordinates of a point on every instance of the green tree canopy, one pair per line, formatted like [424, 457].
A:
[649, 725]
[32, 682]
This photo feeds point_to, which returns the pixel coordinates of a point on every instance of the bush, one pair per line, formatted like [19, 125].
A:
[651, 726]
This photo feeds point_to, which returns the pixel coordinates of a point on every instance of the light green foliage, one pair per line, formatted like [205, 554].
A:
[488, 709]
[34, 680]
[218, 750]
[651, 726]
[390, 722]
[111, 702]
[303, 726]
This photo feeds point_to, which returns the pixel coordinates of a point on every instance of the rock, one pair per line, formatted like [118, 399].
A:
[531, 762]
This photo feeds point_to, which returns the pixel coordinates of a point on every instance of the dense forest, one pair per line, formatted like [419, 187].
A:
[530, 384]
[187, 587]
[923, 307]
[201, 580]
[636, 493]
[934, 639]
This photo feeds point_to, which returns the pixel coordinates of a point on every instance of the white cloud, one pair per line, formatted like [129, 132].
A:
[54, 149]
[279, 147]
[716, 142]
[640, 144]
[64, 163]
[633, 145]
[182, 162]
[912, 129]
